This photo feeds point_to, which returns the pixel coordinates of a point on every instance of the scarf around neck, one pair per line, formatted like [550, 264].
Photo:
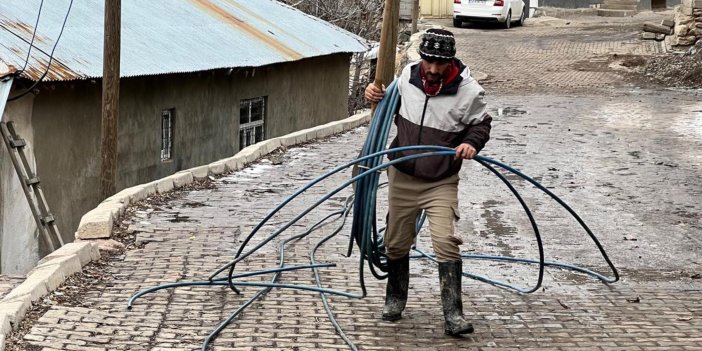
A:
[434, 88]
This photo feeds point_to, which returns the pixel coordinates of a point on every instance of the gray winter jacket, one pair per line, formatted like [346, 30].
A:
[456, 115]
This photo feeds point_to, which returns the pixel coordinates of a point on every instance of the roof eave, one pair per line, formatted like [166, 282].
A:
[6, 70]
[81, 77]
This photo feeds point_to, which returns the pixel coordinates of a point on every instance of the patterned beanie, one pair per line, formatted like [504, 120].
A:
[437, 44]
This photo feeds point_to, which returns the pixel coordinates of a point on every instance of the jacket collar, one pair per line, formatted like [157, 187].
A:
[448, 89]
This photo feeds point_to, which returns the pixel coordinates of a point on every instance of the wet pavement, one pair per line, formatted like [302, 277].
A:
[625, 158]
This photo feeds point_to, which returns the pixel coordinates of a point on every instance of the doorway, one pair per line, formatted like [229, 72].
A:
[658, 4]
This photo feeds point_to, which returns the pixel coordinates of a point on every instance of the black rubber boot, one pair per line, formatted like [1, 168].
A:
[450, 274]
[396, 291]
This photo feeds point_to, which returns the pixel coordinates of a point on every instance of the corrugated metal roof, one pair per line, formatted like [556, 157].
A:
[5, 70]
[160, 37]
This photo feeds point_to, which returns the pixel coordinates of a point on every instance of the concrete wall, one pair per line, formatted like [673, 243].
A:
[436, 8]
[406, 10]
[573, 4]
[647, 4]
[570, 4]
[19, 249]
[66, 121]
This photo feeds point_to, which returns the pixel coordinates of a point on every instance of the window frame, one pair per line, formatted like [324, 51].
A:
[167, 134]
[251, 126]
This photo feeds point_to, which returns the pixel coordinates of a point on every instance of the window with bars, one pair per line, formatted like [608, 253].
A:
[167, 132]
[252, 116]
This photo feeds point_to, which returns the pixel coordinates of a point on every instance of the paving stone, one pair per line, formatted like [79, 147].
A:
[628, 162]
[547, 57]
[109, 246]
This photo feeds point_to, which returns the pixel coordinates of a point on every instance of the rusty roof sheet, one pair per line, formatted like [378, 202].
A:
[6, 70]
[160, 37]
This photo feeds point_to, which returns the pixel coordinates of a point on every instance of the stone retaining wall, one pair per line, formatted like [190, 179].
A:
[688, 23]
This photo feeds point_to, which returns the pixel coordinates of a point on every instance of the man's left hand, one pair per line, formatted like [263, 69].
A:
[465, 151]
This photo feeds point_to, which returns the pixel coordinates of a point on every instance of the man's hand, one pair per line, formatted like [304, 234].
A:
[465, 151]
[374, 93]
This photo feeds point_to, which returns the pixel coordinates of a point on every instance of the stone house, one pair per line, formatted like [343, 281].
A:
[200, 81]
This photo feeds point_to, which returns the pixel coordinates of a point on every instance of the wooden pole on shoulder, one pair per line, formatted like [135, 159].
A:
[385, 70]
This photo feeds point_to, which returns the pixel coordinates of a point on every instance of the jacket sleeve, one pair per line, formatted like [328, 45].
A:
[477, 121]
[478, 134]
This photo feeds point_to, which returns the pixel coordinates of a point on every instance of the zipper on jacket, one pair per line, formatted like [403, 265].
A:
[421, 124]
[419, 136]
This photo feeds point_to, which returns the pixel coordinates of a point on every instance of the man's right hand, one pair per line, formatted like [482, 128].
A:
[374, 93]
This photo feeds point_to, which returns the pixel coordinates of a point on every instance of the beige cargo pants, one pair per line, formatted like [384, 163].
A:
[407, 196]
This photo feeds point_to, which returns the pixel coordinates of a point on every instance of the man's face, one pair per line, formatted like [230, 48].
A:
[435, 69]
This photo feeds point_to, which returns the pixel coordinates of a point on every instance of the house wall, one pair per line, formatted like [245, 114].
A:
[436, 8]
[643, 4]
[570, 4]
[18, 230]
[647, 4]
[406, 10]
[66, 121]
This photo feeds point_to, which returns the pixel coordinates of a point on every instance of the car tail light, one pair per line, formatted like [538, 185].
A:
[456, 1]
[499, 3]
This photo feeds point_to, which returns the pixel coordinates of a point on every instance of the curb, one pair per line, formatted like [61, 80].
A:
[53, 269]
[559, 12]
[97, 223]
[48, 275]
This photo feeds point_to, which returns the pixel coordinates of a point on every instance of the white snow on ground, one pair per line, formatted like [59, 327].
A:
[249, 173]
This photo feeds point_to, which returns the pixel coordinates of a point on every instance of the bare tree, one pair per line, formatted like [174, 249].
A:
[361, 17]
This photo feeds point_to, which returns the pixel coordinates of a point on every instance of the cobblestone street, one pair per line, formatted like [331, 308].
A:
[555, 55]
[626, 158]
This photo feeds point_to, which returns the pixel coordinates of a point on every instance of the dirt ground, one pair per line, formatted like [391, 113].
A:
[674, 70]
[666, 69]
[575, 54]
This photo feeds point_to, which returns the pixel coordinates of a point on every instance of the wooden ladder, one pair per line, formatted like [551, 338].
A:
[30, 185]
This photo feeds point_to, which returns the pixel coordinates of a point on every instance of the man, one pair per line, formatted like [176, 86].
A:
[441, 104]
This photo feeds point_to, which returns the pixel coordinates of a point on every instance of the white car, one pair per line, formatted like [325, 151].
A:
[505, 12]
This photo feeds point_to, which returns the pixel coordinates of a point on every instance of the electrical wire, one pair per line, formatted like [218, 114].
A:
[34, 33]
[51, 57]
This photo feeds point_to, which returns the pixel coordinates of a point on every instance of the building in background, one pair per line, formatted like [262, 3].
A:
[200, 81]
[444, 8]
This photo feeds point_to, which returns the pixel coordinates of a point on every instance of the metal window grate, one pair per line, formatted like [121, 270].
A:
[252, 113]
[167, 124]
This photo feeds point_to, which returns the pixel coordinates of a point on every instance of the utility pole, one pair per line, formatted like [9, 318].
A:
[110, 97]
[415, 15]
[385, 70]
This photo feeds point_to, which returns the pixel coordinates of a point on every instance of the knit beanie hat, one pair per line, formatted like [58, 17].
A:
[437, 44]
